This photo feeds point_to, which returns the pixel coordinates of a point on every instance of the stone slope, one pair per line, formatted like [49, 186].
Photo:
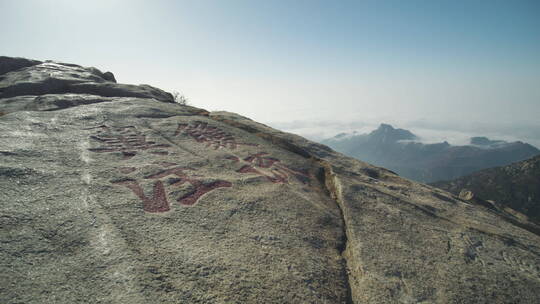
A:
[121, 199]
[411, 243]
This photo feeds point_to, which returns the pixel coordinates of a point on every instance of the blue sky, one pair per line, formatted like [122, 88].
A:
[440, 62]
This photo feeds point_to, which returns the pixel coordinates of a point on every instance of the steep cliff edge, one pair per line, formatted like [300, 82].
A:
[111, 193]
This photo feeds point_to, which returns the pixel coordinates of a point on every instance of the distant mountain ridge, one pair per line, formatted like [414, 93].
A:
[400, 151]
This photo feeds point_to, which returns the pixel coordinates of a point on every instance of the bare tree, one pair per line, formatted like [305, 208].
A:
[179, 98]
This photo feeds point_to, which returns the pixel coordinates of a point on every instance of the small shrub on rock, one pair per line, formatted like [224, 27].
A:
[179, 98]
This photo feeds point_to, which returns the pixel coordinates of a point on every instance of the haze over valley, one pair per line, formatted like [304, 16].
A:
[402, 151]
[446, 70]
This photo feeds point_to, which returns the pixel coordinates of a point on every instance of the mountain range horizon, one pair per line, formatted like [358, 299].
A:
[409, 136]
[427, 132]
[403, 152]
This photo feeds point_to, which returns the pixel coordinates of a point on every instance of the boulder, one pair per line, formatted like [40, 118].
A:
[466, 195]
[58, 78]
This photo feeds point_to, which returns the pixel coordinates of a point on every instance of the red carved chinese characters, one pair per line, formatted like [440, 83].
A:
[158, 202]
[126, 140]
[173, 182]
[129, 141]
[200, 188]
[212, 136]
[269, 167]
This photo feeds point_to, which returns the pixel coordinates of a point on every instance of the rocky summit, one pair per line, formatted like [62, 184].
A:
[113, 193]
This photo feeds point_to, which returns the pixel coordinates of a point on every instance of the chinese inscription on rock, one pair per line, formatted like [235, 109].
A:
[213, 136]
[268, 167]
[129, 141]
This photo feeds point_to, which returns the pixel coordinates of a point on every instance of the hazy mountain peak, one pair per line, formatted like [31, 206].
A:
[387, 133]
[341, 135]
[399, 150]
[484, 141]
[386, 126]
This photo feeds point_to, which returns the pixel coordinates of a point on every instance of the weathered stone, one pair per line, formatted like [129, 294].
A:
[49, 102]
[178, 207]
[133, 200]
[109, 76]
[59, 78]
[411, 243]
[8, 64]
[466, 195]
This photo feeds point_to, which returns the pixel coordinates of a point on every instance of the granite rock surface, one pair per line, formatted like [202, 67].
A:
[110, 193]
[41, 78]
